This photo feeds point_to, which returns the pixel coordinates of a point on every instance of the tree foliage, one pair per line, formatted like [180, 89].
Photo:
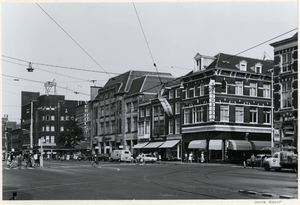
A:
[72, 135]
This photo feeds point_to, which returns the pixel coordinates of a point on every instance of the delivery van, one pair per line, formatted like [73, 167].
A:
[121, 155]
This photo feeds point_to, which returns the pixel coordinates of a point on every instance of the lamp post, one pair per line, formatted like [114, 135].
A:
[42, 150]
[272, 109]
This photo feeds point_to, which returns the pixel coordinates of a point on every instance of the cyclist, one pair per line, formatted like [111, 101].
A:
[95, 160]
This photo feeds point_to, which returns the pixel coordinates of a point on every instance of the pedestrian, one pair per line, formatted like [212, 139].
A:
[202, 157]
[244, 160]
[252, 159]
[95, 160]
[190, 157]
[159, 157]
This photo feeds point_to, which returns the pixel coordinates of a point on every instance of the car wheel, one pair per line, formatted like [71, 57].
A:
[267, 167]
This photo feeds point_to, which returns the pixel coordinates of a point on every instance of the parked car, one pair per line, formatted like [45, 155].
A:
[82, 157]
[103, 157]
[259, 160]
[147, 158]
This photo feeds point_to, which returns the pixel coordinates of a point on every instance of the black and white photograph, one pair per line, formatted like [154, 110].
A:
[145, 102]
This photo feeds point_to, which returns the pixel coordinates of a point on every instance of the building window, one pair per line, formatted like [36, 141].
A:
[184, 94]
[156, 111]
[266, 91]
[177, 108]
[141, 128]
[191, 93]
[171, 127]
[147, 111]
[107, 128]
[187, 116]
[177, 126]
[239, 114]
[147, 130]
[47, 139]
[286, 59]
[47, 117]
[52, 140]
[286, 94]
[171, 94]
[267, 117]
[142, 111]
[113, 127]
[102, 128]
[43, 129]
[128, 107]
[224, 113]
[128, 125]
[134, 106]
[47, 128]
[198, 115]
[52, 128]
[253, 89]
[67, 117]
[239, 88]
[52, 118]
[253, 115]
[177, 93]
[62, 128]
[258, 68]
[243, 66]
[134, 124]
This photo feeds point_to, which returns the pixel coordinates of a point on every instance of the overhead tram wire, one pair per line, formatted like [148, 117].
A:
[147, 42]
[261, 43]
[73, 40]
[49, 71]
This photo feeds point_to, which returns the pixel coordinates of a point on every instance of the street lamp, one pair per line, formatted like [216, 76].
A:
[42, 150]
[272, 109]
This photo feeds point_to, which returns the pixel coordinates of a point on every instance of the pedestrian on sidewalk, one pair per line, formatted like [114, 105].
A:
[244, 160]
[202, 157]
[252, 159]
[190, 157]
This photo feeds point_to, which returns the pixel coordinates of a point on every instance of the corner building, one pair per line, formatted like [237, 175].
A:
[226, 107]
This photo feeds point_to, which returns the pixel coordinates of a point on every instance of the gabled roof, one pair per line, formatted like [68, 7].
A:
[126, 78]
[148, 84]
[231, 61]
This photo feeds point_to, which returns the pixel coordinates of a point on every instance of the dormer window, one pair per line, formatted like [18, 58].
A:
[243, 65]
[258, 67]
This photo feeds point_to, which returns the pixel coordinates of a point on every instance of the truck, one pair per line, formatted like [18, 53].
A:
[282, 160]
[121, 156]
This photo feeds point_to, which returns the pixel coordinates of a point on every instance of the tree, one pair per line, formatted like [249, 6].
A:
[72, 134]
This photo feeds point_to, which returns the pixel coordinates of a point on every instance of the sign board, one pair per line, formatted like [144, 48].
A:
[166, 105]
[276, 135]
[97, 147]
[121, 146]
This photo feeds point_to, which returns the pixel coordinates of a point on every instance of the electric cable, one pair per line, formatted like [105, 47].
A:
[73, 40]
[146, 41]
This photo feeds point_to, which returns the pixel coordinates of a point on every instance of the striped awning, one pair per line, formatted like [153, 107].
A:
[153, 145]
[197, 144]
[140, 145]
[259, 145]
[169, 144]
[215, 145]
[239, 145]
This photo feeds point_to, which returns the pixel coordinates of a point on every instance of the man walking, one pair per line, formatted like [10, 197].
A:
[244, 160]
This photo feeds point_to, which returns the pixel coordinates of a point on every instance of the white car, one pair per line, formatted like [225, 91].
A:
[148, 158]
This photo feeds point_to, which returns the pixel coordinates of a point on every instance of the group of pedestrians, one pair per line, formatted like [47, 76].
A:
[23, 160]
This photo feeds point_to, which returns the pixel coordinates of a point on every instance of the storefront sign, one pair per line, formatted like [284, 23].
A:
[166, 105]
[276, 135]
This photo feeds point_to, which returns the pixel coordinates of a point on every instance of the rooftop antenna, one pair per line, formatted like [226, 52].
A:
[48, 87]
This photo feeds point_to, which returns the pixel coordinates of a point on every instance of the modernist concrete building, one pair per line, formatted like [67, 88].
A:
[286, 92]
[44, 116]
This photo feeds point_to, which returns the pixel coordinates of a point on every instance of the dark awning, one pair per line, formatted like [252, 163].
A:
[239, 145]
[169, 144]
[258, 145]
[153, 145]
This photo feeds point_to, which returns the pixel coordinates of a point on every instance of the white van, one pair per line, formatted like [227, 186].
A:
[121, 155]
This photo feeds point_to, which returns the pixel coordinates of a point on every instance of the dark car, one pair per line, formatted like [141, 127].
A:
[103, 157]
[259, 159]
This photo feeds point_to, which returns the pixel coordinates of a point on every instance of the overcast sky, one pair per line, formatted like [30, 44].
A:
[113, 41]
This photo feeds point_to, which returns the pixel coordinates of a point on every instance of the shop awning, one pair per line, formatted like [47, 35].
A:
[288, 139]
[153, 145]
[259, 145]
[239, 145]
[215, 145]
[197, 144]
[169, 144]
[140, 145]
